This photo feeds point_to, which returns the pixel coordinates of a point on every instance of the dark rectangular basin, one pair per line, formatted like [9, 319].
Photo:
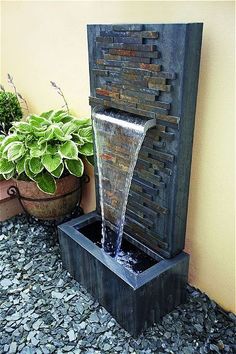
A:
[136, 293]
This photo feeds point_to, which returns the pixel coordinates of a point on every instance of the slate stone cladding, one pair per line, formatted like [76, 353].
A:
[152, 71]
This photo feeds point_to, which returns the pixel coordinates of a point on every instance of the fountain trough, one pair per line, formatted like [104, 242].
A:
[136, 299]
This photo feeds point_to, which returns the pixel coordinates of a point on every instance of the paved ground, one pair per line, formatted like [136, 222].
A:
[43, 310]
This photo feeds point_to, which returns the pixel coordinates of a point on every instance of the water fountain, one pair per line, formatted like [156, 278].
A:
[129, 252]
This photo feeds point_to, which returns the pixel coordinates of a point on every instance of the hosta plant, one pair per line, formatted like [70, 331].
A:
[46, 147]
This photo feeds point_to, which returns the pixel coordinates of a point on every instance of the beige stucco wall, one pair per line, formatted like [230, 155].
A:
[46, 40]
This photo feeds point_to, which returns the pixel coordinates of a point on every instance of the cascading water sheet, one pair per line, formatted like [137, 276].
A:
[117, 142]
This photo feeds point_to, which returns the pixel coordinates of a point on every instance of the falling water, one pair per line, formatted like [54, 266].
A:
[118, 139]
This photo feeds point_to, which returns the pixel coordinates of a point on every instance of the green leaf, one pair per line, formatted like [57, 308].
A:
[77, 139]
[90, 159]
[28, 171]
[9, 175]
[22, 127]
[30, 142]
[51, 149]
[40, 132]
[67, 119]
[6, 166]
[82, 121]
[20, 165]
[51, 162]
[46, 183]
[60, 135]
[15, 151]
[75, 167]
[69, 150]
[59, 115]
[37, 121]
[47, 115]
[8, 139]
[69, 127]
[86, 134]
[38, 150]
[86, 149]
[35, 165]
[58, 171]
[47, 135]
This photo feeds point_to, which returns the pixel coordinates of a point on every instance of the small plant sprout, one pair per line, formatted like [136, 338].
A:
[59, 91]
[20, 98]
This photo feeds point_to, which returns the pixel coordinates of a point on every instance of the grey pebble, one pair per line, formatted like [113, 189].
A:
[5, 282]
[57, 295]
[44, 311]
[71, 334]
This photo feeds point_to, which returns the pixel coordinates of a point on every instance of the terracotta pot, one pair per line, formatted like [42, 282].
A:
[9, 206]
[46, 206]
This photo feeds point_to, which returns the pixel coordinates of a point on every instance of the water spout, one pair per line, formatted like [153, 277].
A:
[118, 139]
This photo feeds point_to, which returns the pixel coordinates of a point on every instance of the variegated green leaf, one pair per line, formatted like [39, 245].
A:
[37, 121]
[58, 171]
[82, 121]
[7, 140]
[9, 175]
[15, 151]
[59, 115]
[51, 149]
[69, 128]
[69, 150]
[20, 165]
[75, 167]
[35, 165]
[86, 149]
[6, 166]
[47, 115]
[86, 134]
[38, 150]
[46, 183]
[90, 159]
[48, 135]
[28, 171]
[51, 162]
[22, 127]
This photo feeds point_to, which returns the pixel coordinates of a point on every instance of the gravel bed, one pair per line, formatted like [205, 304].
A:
[43, 310]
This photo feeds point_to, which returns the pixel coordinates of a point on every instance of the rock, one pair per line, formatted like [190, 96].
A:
[71, 334]
[13, 348]
[198, 327]
[60, 283]
[68, 298]
[28, 265]
[31, 335]
[6, 283]
[57, 295]
[107, 346]
[94, 317]
[37, 324]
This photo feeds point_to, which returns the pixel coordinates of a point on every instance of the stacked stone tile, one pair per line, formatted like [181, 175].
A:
[129, 80]
[151, 71]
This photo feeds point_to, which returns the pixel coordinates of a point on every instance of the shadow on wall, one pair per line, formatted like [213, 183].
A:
[196, 180]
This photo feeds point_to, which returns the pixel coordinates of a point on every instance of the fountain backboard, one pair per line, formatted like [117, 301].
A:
[140, 75]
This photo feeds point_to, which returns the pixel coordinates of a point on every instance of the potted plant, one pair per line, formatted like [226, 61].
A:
[10, 110]
[44, 154]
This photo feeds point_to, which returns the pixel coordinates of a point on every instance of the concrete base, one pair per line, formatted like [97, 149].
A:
[136, 301]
